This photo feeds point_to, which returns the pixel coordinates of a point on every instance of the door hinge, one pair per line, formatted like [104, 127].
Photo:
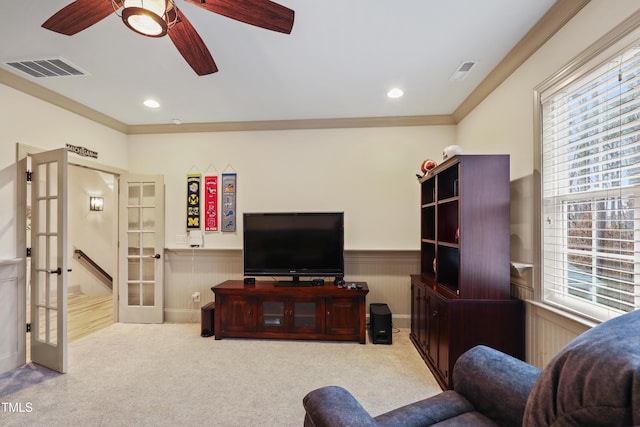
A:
[28, 327]
[29, 175]
[28, 254]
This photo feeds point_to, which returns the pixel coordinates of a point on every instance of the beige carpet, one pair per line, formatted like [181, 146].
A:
[161, 375]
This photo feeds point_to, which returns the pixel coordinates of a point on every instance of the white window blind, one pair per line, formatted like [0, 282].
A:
[591, 189]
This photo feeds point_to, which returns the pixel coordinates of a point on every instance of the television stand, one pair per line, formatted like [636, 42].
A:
[266, 310]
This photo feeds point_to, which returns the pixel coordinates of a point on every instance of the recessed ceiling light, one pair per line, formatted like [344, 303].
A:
[151, 103]
[395, 93]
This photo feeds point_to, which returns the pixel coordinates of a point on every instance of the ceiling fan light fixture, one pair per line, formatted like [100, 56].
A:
[147, 17]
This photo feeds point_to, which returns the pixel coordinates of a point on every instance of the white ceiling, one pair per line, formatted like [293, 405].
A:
[338, 62]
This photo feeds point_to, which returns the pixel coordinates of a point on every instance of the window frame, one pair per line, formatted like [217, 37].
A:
[572, 303]
[620, 38]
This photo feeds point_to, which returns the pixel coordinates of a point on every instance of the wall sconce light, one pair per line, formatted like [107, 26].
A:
[96, 203]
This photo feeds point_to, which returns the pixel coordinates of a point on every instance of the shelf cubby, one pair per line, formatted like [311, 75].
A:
[428, 222]
[427, 256]
[448, 218]
[448, 181]
[448, 266]
[428, 193]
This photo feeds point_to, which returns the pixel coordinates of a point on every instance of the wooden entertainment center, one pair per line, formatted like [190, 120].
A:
[264, 310]
[461, 296]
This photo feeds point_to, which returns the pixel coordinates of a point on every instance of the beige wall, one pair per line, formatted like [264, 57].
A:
[30, 121]
[94, 233]
[504, 121]
[367, 173]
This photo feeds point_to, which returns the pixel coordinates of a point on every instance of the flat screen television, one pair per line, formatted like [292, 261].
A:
[293, 244]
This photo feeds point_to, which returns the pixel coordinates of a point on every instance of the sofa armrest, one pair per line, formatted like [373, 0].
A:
[334, 406]
[496, 384]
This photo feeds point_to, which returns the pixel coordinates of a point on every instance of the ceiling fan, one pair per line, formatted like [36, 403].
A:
[156, 18]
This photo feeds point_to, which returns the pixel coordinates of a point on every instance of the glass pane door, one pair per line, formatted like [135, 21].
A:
[141, 246]
[48, 303]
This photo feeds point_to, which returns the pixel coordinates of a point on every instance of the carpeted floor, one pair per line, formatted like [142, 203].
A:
[161, 375]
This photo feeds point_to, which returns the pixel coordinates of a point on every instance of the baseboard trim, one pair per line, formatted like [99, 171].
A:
[182, 315]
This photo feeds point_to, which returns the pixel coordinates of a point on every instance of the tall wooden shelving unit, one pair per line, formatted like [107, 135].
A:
[461, 297]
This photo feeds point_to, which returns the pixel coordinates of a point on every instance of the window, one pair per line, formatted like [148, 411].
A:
[590, 175]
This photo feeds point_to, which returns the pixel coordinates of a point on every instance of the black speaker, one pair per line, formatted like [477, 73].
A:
[249, 280]
[207, 320]
[380, 323]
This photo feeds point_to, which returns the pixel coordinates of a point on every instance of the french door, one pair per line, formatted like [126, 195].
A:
[48, 302]
[141, 248]
[140, 274]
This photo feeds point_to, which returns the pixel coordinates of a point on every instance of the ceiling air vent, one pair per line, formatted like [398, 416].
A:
[462, 70]
[55, 67]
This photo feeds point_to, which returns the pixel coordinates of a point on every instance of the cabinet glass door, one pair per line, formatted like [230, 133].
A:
[273, 313]
[304, 315]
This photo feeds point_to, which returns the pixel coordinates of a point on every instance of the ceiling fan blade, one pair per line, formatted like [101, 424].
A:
[191, 46]
[79, 15]
[261, 13]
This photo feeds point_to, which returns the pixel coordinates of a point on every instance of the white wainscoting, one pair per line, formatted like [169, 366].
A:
[12, 315]
[197, 270]
[387, 273]
[548, 331]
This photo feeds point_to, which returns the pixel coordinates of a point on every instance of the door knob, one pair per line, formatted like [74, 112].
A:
[58, 271]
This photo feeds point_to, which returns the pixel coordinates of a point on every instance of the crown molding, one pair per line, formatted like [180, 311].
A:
[336, 123]
[555, 18]
[30, 88]
[551, 22]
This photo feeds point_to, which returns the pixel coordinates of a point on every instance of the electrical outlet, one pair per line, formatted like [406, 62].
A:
[195, 296]
[181, 239]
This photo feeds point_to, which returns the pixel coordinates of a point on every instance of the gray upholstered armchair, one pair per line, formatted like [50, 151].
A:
[593, 381]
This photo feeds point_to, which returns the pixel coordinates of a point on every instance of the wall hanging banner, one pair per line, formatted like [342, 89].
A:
[228, 202]
[193, 201]
[211, 203]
